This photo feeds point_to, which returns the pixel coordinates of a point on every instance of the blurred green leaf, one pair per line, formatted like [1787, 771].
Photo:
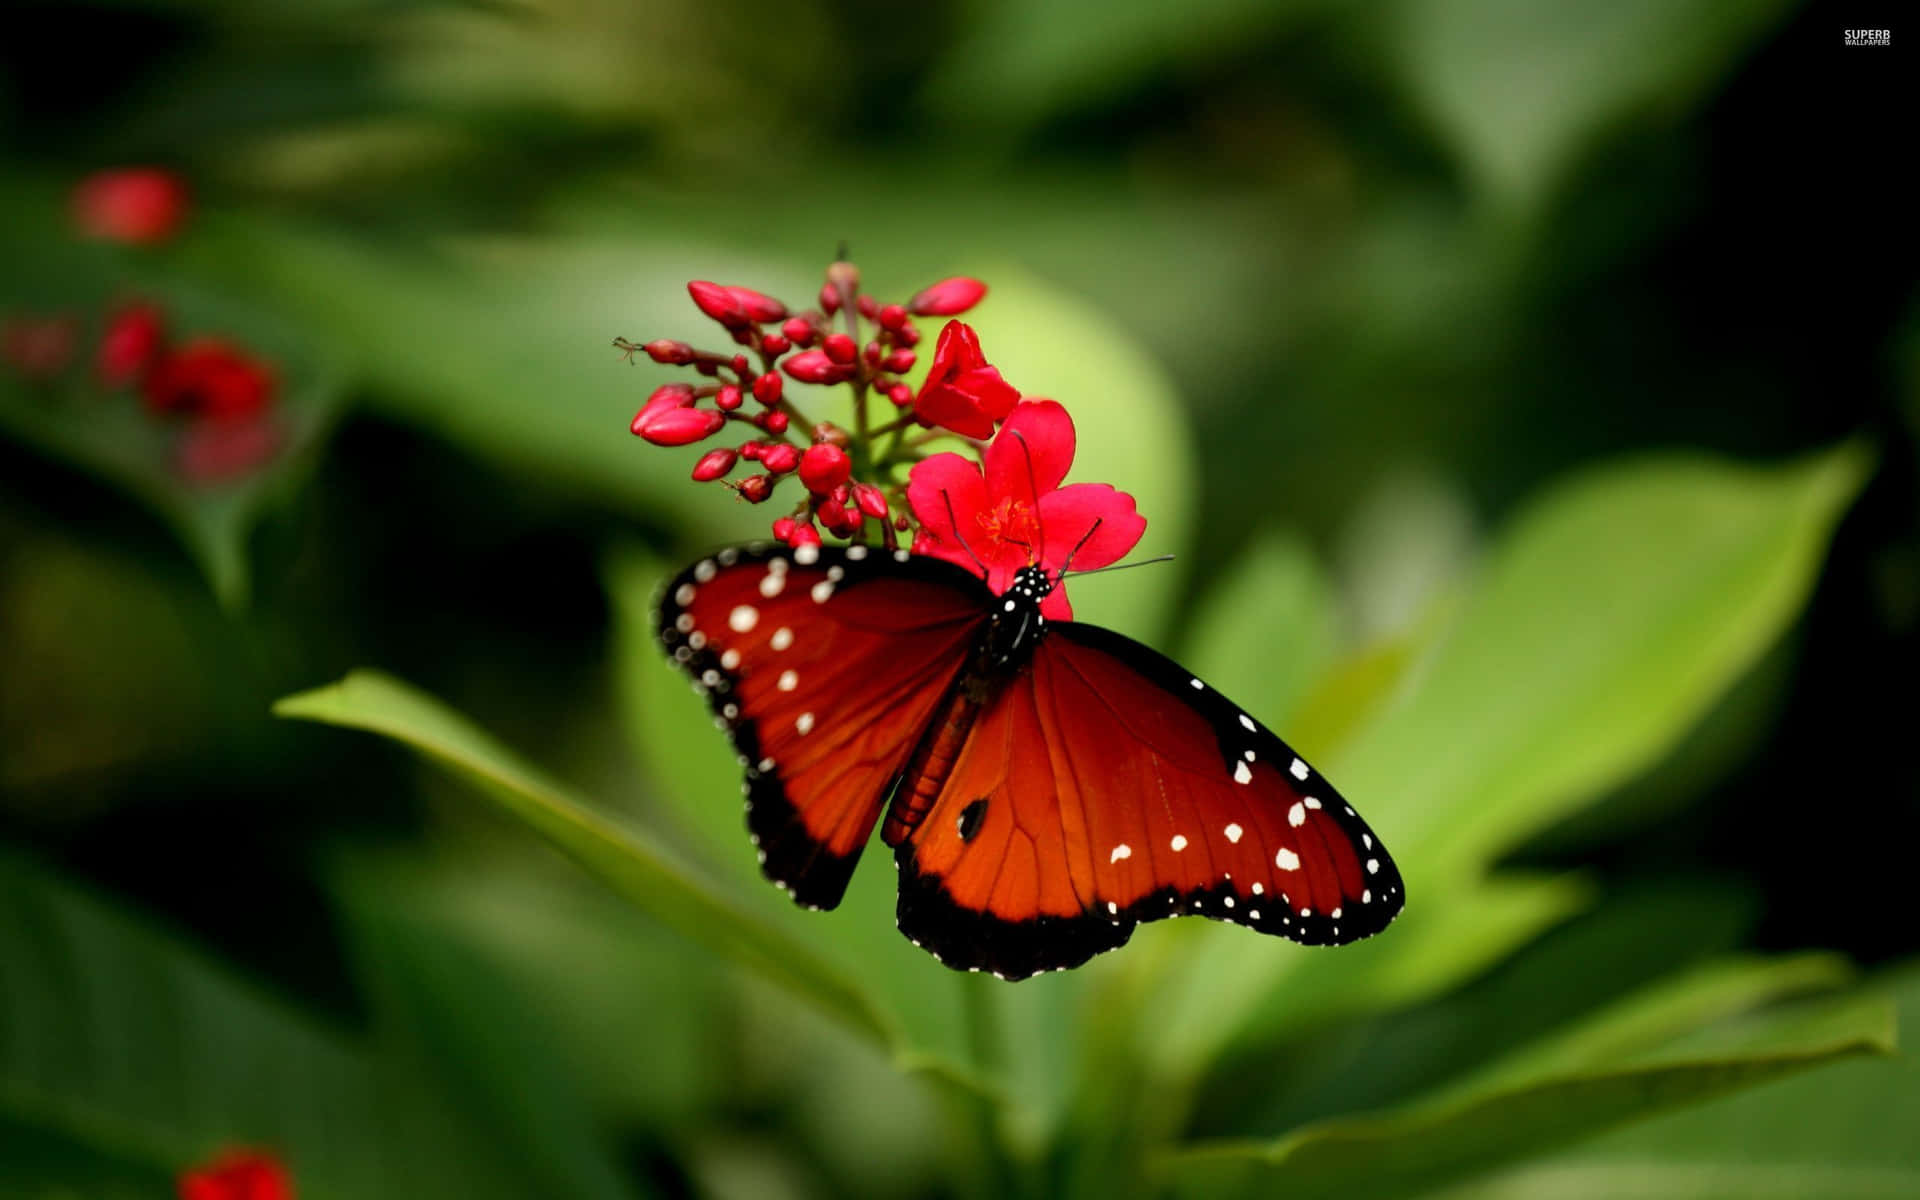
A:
[1835, 1132]
[1524, 90]
[1611, 614]
[1266, 631]
[112, 436]
[1021, 63]
[643, 872]
[440, 997]
[126, 1058]
[1397, 1154]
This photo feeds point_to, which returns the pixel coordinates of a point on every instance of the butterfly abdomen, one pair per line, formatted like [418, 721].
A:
[932, 761]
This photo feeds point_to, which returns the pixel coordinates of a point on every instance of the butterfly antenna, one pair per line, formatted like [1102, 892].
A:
[1122, 566]
[1084, 539]
[953, 522]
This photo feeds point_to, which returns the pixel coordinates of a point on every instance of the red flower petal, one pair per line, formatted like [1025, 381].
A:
[943, 490]
[1033, 452]
[947, 298]
[238, 1175]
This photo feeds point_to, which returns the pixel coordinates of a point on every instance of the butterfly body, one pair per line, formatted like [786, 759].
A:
[1046, 785]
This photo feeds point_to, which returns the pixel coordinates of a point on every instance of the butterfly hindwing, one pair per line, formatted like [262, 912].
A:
[1112, 787]
[823, 665]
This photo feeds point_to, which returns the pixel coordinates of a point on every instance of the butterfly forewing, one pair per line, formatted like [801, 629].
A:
[823, 665]
[1112, 787]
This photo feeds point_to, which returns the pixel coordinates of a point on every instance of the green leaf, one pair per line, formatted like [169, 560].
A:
[632, 864]
[1024, 62]
[1611, 614]
[1524, 89]
[1397, 1154]
[1831, 1132]
[1266, 631]
[110, 434]
[126, 1058]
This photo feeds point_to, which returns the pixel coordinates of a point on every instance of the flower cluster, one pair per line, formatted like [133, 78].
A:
[218, 395]
[238, 1175]
[993, 510]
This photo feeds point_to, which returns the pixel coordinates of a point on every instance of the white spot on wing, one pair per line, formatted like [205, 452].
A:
[1178, 843]
[807, 555]
[1297, 815]
[1197, 685]
[1299, 769]
[788, 681]
[822, 591]
[730, 659]
[705, 571]
[1241, 774]
[1373, 866]
[1233, 834]
[782, 638]
[1312, 803]
[1246, 722]
[683, 595]
[804, 725]
[1286, 860]
[743, 618]
[1119, 852]
[772, 582]
[1259, 889]
[856, 553]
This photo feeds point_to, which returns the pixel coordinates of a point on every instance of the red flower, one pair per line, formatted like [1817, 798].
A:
[948, 298]
[136, 205]
[130, 344]
[213, 452]
[1017, 514]
[238, 1175]
[962, 392]
[210, 378]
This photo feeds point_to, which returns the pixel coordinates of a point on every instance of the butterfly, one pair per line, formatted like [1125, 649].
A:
[1046, 786]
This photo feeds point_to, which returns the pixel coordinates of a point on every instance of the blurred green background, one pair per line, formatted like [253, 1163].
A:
[1529, 393]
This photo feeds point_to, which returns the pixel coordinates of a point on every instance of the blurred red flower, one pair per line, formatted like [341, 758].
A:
[38, 347]
[131, 344]
[1016, 514]
[212, 379]
[238, 1175]
[136, 205]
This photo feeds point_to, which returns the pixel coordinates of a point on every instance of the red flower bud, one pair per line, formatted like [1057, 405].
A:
[872, 500]
[842, 494]
[713, 464]
[799, 331]
[900, 394]
[783, 529]
[130, 344]
[740, 365]
[780, 457]
[775, 344]
[674, 354]
[728, 398]
[238, 1175]
[839, 348]
[900, 523]
[824, 467]
[907, 337]
[922, 544]
[900, 361]
[893, 317]
[836, 518]
[869, 307]
[756, 488]
[773, 421]
[136, 205]
[803, 535]
[719, 303]
[751, 451]
[210, 378]
[949, 297]
[872, 354]
[677, 426]
[813, 366]
[768, 388]
[829, 299]
[758, 305]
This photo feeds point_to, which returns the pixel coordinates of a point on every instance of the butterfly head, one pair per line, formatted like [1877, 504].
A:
[1017, 625]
